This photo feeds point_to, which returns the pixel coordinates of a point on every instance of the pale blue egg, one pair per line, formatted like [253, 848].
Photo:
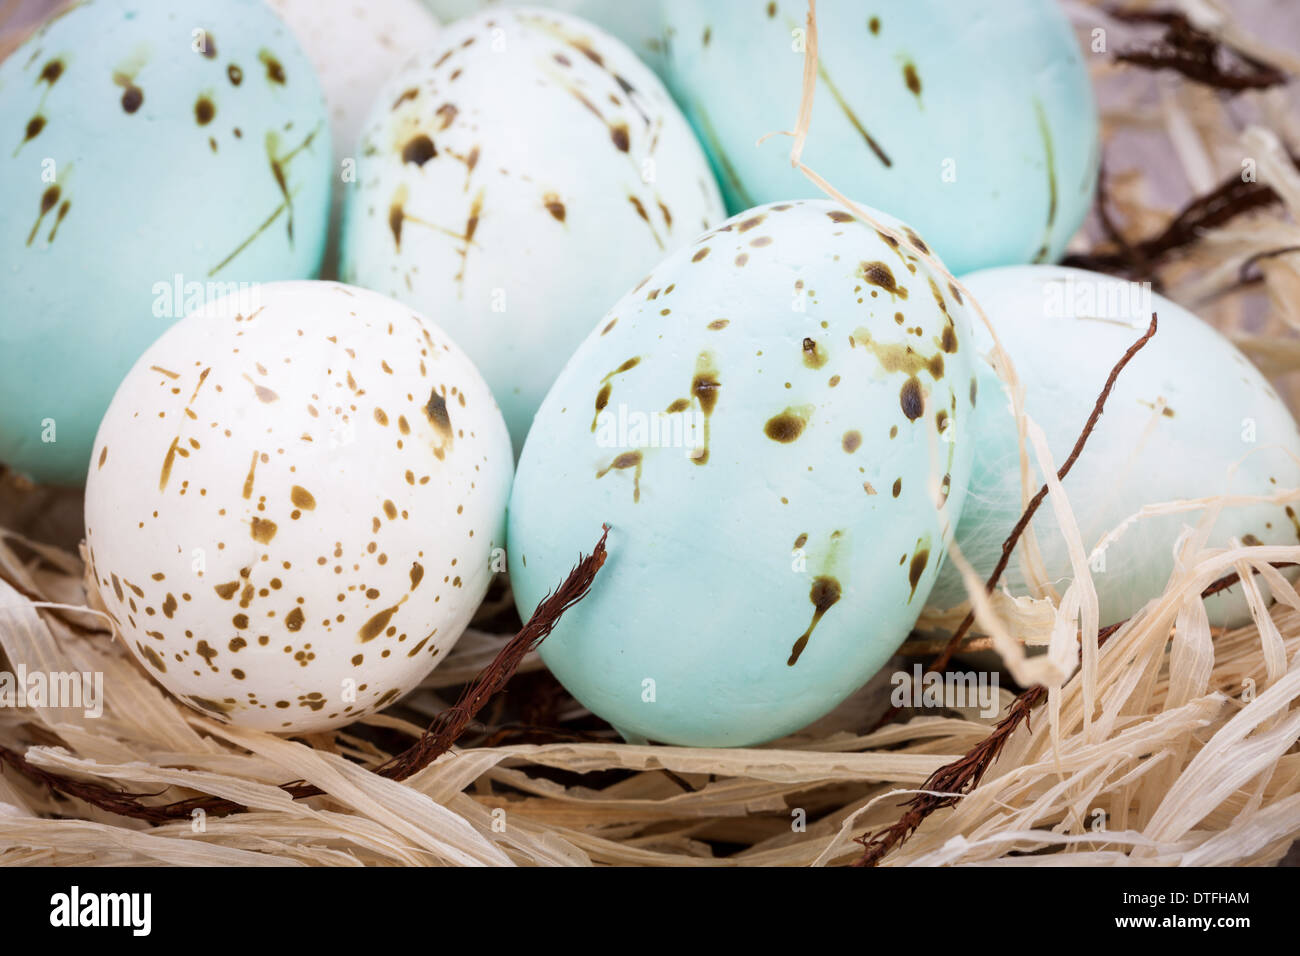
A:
[974, 122]
[155, 155]
[1183, 412]
[774, 424]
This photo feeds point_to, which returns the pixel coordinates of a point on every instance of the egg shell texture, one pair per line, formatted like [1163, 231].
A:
[974, 122]
[296, 498]
[1184, 410]
[151, 149]
[354, 47]
[517, 179]
[767, 560]
[639, 23]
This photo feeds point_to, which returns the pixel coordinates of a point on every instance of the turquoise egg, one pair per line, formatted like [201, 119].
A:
[1183, 412]
[155, 155]
[774, 425]
[974, 122]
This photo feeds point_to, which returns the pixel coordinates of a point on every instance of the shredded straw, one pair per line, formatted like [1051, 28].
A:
[1159, 741]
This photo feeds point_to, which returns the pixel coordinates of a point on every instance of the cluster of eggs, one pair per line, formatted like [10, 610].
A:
[297, 494]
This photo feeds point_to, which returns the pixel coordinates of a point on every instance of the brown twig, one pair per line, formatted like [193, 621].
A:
[451, 723]
[1231, 198]
[1009, 544]
[1246, 277]
[436, 740]
[1196, 54]
[964, 774]
[1138, 263]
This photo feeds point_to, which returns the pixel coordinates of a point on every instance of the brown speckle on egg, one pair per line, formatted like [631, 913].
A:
[274, 70]
[132, 95]
[553, 205]
[418, 150]
[911, 399]
[787, 426]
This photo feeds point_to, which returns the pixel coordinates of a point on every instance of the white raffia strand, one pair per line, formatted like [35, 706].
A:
[1169, 744]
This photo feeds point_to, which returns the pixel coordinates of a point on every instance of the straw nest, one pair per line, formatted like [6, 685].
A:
[1163, 741]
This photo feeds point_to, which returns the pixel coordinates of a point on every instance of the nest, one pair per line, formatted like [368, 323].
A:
[1160, 740]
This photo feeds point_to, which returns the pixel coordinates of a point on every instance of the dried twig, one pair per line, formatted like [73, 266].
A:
[449, 725]
[1244, 274]
[964, 774]
[1009, 545]
[1139, 260]
[1196, 54]
[437, 740]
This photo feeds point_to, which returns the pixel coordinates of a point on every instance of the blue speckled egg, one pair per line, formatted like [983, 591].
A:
[513, 181]
[773, 423]
[1184, 410]
[974, 122]
[155, 154]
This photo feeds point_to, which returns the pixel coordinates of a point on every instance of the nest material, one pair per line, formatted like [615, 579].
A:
[1163, 741]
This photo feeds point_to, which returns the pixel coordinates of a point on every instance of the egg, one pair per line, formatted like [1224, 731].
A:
[156, 157]
[638, 24]
[974, 122]
[296, 502]
[774, 423]
[1183, 412]
[515, 180]
[354, 48]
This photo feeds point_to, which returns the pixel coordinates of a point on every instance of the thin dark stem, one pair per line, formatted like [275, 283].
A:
[1196, 54]
[1009, 544]
[1139, 259]
[965, 773]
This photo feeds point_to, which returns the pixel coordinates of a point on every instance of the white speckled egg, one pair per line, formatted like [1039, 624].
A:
[638, 23]
[294, 502]
[516, 179]
[155, 154]
[973, 121]
[774, 423]
[1184, 410]
[354, 46]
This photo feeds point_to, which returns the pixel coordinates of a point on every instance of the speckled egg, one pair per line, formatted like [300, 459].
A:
[974, 122]
[296, 501]
[515, 180]
[1184, 410]
[639, 24]
[774, 425]
[155, 154]
[354, 48]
